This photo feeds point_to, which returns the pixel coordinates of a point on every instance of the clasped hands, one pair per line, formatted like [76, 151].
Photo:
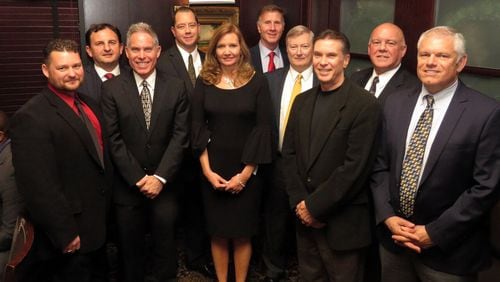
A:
[150, 186]
[234, 185]
[306, 217]
[408, 234]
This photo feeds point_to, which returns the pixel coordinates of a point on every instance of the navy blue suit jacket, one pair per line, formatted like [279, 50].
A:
[460, 181]
[257, 61]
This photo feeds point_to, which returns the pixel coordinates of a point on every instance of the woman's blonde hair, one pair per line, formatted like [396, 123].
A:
[211, 72]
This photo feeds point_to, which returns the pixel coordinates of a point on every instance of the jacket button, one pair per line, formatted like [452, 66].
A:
[308, 179]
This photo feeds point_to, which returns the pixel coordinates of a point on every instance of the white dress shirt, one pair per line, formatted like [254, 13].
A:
[383, 79]
[101, 72]
[442, 100]
[264, 57]
[196, 59]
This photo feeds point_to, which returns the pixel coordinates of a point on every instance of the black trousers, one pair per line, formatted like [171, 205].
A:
[43, 265]
[134, 222]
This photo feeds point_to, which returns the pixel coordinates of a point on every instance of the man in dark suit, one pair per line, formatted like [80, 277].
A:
[147, 115]
[268, 55]
[284, 84]
[59, 153]
[437, 174]
[328, 153]
[185, 29]
[10, 200]
[104, 47]
[386, 48]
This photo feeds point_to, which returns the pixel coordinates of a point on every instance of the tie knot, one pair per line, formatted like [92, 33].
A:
[299, 77]
[271, 55]
[144, 83]
[430, 100]
[375, 80]
[109, 75]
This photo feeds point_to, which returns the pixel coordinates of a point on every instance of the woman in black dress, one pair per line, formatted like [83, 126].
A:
[231, 132]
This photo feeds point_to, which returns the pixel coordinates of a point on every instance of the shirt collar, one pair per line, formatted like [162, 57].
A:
[150, 79]
[306, 74]
[264, 51]
[440, 96]
[185, 54]
[101, 72]
[386, 76]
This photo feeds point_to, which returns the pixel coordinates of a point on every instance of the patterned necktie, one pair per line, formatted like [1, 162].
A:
[271, 67]
[146, 103]
[373, 88]
[90, 127]
[412, 164]
[297, 88]
[109, 75]
[191, 72]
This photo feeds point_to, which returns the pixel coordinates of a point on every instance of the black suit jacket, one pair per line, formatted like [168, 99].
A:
[402, 79]
[460, 181]
[171, 63]
[257, 60]
[276, 80]
[329, 171]
[92, 83]
[59, 174]
[137, 151]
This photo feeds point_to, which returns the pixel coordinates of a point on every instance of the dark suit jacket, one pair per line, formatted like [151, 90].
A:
[329, 171]
[257, 61]
[171, 63]
[135, 150]
[276, 80]
[460, 182]
[10, 200]
[92, 83]
[402, 79]
[59, 174]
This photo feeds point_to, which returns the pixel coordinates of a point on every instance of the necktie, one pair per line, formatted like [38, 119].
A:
[412, 164]
[271, 67]
[373, 87]
[297, 88]
[191, 72]
[146, 103]
[109, 75]
[90, 128]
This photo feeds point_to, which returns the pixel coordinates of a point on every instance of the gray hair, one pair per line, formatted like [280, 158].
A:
[142, 27]
[441, 31]
[299, 30]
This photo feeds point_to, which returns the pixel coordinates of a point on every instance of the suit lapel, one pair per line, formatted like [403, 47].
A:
[330, 122]
[131, 91]
[66, 113]
[180, 67]
[449, 123]
[404, 115]
[158, 100]
[394, 83]
[279, 83]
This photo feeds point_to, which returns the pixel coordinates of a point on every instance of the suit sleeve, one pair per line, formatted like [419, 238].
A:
[10, 201]
[349, 179]
[126, 163]
[476, 202]
[379, 180]
[179, 141]
[295, 187]
[38, 178]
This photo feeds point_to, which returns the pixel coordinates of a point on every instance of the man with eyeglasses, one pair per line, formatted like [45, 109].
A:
[186, 29]
[386, 49]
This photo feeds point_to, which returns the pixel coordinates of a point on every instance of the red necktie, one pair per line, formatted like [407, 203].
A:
[109, 75]
[270, 66]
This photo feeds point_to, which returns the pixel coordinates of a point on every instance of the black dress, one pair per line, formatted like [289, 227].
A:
[235, 127]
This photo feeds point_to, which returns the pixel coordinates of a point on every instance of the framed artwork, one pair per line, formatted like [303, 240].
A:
[211, 17]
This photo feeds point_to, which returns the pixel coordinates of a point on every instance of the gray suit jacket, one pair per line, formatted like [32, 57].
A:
[402, 79]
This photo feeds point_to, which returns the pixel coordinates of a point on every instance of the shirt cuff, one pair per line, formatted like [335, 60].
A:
[162, 180]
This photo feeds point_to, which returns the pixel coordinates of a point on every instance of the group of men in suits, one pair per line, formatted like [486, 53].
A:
[336, 141]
